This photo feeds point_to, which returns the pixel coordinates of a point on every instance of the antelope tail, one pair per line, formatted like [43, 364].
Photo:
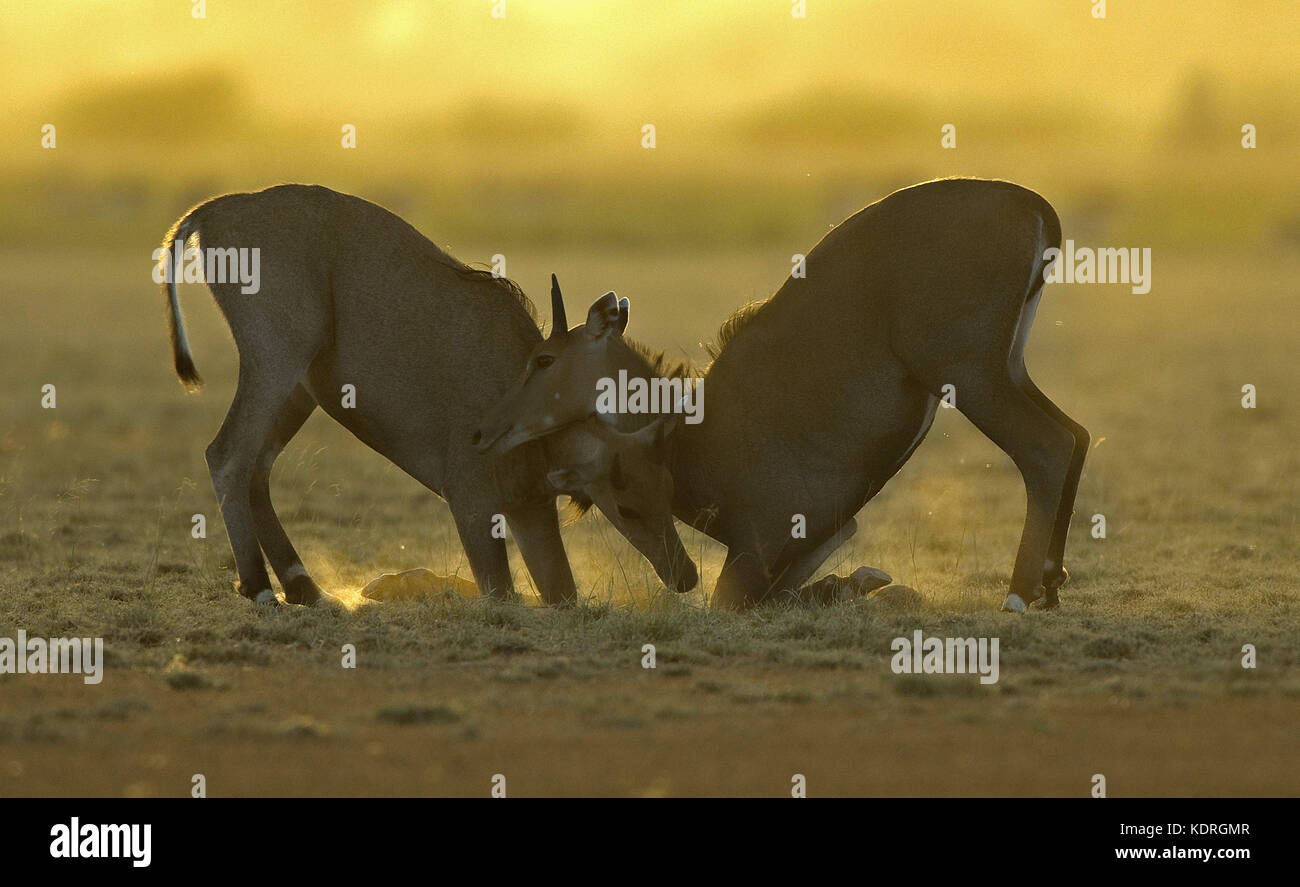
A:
[175, 239]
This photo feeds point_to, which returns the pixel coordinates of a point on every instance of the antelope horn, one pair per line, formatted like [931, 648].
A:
[558, 322]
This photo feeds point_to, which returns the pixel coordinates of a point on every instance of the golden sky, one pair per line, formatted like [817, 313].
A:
[609, 56]
[766, 123]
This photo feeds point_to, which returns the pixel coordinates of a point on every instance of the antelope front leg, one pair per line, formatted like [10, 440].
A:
[486, 553]
[743, 581]
[537, 533]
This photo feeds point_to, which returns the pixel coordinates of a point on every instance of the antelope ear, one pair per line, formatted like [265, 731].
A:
[667, 425]
[603, 317]
[574, 477]
[564, 480]
[623, 306]
[661, 431]
[654, 435]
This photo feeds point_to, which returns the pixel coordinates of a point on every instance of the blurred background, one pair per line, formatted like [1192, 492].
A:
[527, 128]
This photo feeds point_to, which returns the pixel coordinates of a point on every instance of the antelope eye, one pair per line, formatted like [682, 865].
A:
[628, 513]
[544, 360]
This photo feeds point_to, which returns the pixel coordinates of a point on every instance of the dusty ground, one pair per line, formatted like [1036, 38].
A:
[1138, 676]
[567, 730]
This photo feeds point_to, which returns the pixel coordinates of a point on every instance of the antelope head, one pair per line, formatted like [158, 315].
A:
[625, 475]
[559, 384]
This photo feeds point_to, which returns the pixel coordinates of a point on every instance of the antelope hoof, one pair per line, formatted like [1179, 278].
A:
[1014, 604]
[1055, 579]
[266, 598]
[301, 590]
[896, 597]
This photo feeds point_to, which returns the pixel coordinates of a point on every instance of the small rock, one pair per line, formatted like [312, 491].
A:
[900, 597]
[831, 589]
[416, 583]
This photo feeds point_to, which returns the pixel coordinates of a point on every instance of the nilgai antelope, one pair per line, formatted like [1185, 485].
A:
[351, 295]
[818, 395]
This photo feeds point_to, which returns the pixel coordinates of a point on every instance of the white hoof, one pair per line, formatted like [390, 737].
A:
[266, 598]
[1013, 604]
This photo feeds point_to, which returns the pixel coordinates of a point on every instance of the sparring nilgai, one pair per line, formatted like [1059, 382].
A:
[818, 395]
[401, 344]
